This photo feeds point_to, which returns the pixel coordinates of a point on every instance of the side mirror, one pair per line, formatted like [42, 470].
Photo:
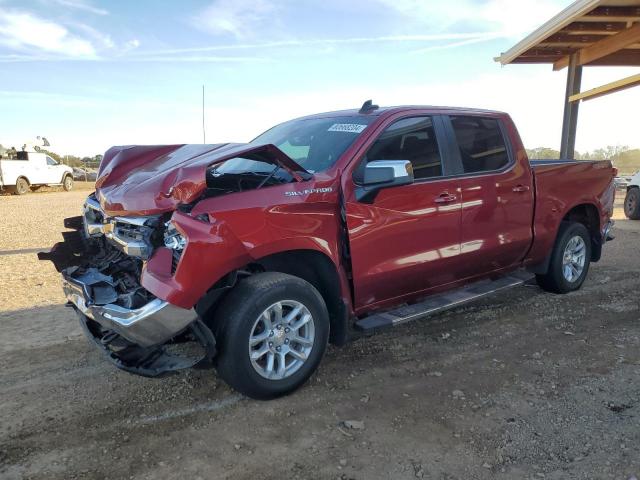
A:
[379, 174]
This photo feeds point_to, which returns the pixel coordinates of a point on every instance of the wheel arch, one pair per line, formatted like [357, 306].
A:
[584, 213]
[23, 177]
[312, 266]
[587, 214]
[319, 270]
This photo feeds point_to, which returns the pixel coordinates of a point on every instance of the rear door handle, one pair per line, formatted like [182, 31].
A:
[521, 188]
[445, 198]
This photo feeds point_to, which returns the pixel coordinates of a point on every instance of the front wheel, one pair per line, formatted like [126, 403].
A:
[272, 331]
[632, 204]
[570, 259]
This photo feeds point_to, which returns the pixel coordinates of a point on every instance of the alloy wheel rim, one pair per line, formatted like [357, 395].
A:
[574, 258]
[631, 204]
[281, 339]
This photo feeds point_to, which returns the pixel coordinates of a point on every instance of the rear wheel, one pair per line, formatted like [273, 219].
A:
[22, 186]
[67, 183]
[632, 203]
[272, 330]
[570, 259]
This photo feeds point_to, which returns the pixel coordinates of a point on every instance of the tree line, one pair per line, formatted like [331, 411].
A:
[73, 161]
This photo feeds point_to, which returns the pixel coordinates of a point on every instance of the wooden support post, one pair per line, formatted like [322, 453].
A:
[570, 120]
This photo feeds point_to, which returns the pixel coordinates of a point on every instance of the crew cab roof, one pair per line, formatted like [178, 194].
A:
[354, 112]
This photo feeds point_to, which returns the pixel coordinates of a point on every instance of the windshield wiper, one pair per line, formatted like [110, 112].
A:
[270, 176]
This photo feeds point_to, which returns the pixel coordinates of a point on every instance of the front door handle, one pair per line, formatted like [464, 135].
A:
[445, 197]
[521, 188]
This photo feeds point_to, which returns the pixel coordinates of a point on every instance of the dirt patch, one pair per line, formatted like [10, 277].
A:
[34, 220]
[523, 385]
[32, 223]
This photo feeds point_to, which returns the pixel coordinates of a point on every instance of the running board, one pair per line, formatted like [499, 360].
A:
[442, 301]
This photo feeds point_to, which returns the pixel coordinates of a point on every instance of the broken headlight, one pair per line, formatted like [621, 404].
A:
[173, 239]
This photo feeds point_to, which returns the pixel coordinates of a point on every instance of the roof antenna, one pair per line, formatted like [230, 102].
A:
[368, 106]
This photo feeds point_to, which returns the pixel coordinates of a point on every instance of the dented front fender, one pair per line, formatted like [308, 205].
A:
[211, 251]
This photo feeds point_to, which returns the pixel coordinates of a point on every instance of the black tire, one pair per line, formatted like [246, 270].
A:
[554, 280]
[632, 203]
[22, 186]
[234, 323]
[67, 183]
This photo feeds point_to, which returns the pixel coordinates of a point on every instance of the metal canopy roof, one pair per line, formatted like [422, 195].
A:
[602, 32]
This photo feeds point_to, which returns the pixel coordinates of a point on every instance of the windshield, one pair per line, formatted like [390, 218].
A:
[315, 143]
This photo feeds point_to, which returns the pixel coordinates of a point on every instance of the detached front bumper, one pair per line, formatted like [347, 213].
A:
[135, 330]
[150, 340]
[152, 324]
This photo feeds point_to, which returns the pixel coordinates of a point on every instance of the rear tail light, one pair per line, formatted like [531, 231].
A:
[615, 172]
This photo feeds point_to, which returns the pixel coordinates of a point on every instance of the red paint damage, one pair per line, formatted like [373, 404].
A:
[145, 180]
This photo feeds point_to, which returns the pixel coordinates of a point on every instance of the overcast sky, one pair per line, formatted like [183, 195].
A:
[91, 74]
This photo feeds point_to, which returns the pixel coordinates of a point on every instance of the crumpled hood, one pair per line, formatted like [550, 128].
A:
[145, 180]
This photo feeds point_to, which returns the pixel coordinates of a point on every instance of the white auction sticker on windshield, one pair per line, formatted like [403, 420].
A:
[347, 127]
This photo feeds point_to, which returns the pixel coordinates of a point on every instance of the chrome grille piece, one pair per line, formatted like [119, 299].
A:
[131, 235]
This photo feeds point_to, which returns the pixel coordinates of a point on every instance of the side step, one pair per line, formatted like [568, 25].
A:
[442, 301]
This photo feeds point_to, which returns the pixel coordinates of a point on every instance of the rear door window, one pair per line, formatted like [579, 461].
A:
[481, 143]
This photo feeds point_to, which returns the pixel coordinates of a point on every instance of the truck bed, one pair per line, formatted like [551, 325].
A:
[560, 185]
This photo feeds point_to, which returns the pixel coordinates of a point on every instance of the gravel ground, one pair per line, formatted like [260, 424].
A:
[31, 223]
[524, 385]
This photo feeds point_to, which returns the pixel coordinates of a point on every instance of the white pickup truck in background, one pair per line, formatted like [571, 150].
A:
[25, 170]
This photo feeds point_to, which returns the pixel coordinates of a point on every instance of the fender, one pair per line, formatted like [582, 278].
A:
[213, 250]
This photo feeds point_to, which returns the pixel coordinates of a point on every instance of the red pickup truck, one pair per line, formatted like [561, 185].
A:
[252, 257]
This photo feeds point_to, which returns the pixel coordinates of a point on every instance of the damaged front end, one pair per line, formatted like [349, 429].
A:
[101, 261]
